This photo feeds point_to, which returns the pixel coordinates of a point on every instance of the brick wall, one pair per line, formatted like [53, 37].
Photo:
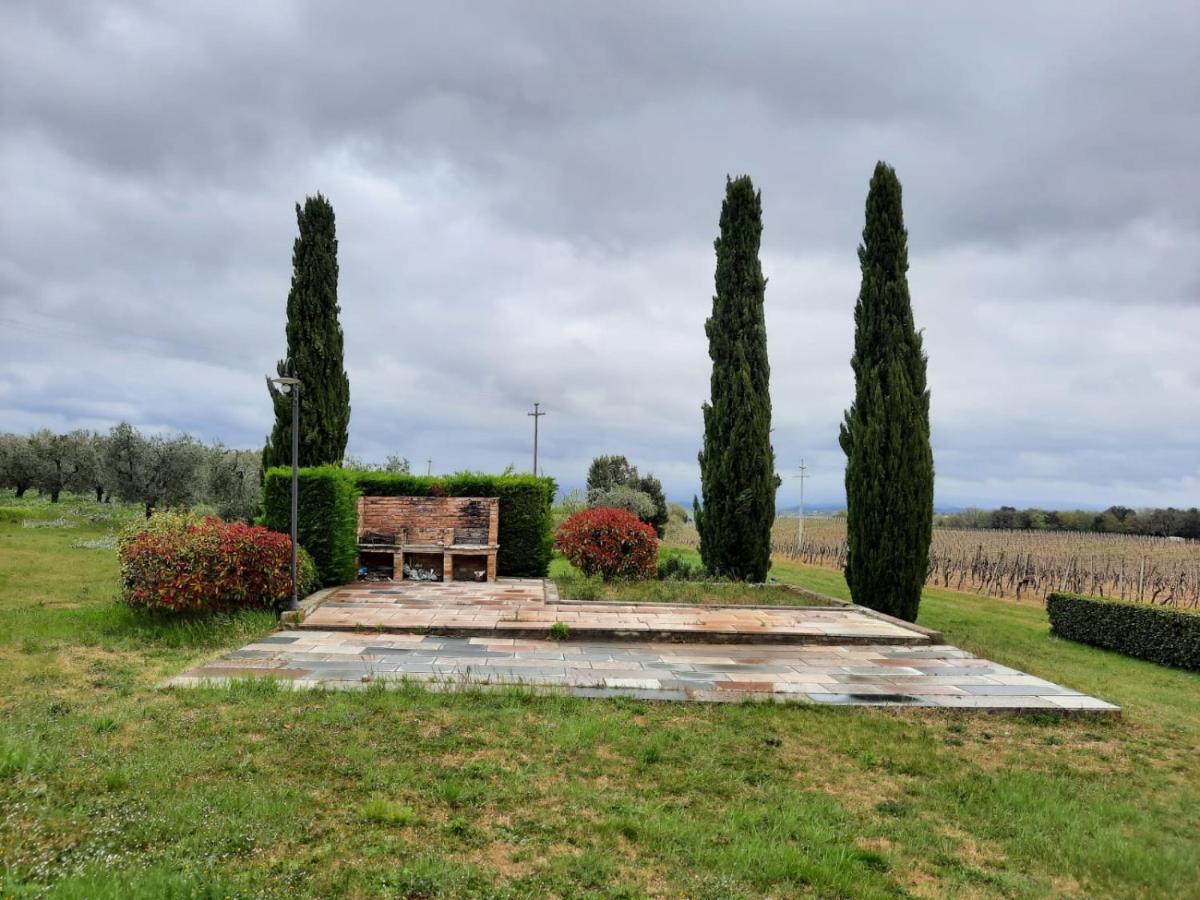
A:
[470, 520]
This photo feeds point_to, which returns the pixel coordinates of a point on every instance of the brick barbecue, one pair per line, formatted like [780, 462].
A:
[433, 538]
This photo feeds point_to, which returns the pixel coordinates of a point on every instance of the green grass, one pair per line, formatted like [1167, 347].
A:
[572, 585]
[111, 787]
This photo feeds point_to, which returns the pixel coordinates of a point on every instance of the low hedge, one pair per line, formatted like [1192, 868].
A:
[1160, 634]
[328, 527]
[526, 522]
[329, 513]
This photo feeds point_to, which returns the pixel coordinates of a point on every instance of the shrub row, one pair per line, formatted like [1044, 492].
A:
[1160, 634]
[180, 561]
[328, 520]
[329, 515]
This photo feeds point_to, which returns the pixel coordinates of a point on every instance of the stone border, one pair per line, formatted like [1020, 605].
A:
[307, 605]
[829, 603]
[541, 632]
[935, 637]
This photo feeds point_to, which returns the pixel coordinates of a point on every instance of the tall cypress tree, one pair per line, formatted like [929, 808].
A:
[889, 460]
[737, 464]
[314, 348]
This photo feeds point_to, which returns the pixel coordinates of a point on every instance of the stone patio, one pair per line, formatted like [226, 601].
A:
[887, 675]
[527, 607]
[483, 636]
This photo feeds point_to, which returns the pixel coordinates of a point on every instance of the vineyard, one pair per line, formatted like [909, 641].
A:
[1019, 564]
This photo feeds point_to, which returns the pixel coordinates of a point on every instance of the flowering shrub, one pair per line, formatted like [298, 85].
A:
[611, 543]
[180, 561]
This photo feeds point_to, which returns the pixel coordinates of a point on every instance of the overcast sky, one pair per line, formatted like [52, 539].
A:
[526, 199]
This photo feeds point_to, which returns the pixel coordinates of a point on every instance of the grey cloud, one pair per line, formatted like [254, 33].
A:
[526, 199]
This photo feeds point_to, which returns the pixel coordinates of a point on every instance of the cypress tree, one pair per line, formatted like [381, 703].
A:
[737, 464]
[314, 348]
[889, 460]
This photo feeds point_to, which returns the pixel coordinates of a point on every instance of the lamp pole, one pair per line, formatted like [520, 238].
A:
[292, 386]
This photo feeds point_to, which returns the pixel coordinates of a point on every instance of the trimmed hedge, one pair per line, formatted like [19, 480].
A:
[329, 513]
[526, 522]
[328, 517]
[1160, 634]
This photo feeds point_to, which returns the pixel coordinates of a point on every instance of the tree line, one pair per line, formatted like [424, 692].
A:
[124, 464]
[1153, 522]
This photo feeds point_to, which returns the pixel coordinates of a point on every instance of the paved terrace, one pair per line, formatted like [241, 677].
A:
[527, 607]
[882, 675]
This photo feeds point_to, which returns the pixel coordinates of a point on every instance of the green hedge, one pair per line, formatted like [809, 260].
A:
[1160, 634]
[526, 522]
[328, 517]
[329, 514]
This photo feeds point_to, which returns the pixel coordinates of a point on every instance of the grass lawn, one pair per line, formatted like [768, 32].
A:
[572, 585]
[110, 787]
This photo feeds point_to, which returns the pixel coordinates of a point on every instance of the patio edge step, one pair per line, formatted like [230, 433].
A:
[666, 636]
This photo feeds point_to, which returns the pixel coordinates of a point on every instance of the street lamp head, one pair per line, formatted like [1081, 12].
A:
[285, 384]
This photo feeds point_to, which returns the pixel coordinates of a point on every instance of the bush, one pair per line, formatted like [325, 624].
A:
[630, 499]
[180, 561]
[328, 527]
[611, 543]
[1160, 634]
[526, 518]
[676, 568]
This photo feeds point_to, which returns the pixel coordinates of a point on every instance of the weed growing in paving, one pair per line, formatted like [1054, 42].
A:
[560, 631]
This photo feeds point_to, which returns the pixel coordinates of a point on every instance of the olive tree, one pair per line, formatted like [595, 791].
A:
[231, 480]
[19, 463]
[155, 471]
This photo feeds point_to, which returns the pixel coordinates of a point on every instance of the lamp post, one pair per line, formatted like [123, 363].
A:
[292, 386]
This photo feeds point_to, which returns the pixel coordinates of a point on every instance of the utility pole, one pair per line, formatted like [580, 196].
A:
[429, 467]
[536, 415]
[800, 526]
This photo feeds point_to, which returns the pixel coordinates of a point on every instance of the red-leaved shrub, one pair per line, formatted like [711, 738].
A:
[609, 542]
[184, 562]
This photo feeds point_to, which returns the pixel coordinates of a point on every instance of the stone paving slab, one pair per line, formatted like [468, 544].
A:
[526, 608]
[846, 675]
